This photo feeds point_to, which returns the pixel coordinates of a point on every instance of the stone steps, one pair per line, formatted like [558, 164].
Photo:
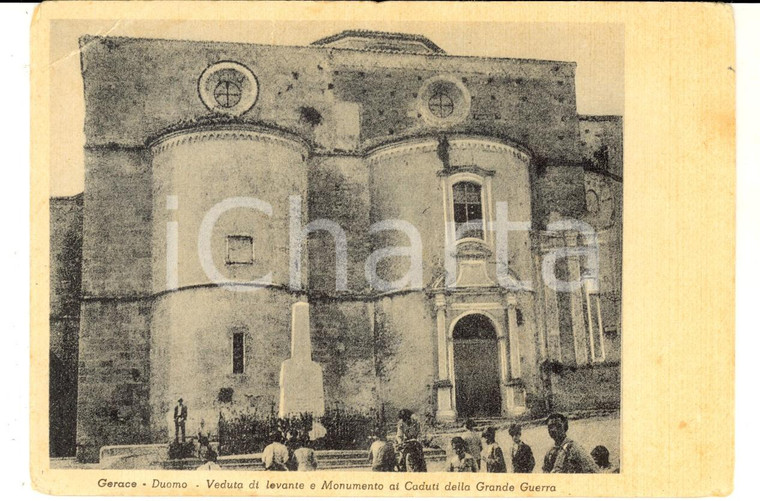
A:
[327, 460]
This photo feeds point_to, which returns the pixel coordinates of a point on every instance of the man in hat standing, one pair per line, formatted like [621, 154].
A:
[180, 417]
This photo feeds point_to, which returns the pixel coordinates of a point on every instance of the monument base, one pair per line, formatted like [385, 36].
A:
[301, 388]
[445, 413]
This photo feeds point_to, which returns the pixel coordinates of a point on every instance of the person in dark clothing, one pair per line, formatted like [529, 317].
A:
[493, 457]
[567, 456]
[411, 455]
[180, 417]
[522, 455]
[292, 443]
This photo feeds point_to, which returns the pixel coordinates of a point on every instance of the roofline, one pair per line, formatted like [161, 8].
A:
[86, 39]
[68, 198]
[380, 34]
[600, 118]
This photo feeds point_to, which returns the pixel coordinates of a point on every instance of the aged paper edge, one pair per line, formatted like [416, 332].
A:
[678, 310]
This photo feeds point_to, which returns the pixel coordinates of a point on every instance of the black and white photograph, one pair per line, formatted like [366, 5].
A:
[298, 246]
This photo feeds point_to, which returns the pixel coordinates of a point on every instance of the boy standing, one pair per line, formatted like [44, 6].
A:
[522, 455]
[472, 439]
[493, 457]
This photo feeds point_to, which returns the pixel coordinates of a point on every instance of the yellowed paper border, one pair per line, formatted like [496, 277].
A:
[678, 265]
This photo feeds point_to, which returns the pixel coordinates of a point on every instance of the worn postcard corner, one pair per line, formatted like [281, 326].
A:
[315, 249]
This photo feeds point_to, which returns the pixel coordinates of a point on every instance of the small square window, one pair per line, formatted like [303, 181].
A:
[239, 249]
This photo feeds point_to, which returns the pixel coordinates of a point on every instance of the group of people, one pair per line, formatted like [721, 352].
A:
[481, 452]
[566, 456]
[205, 451]
[471, 452]
[405, 453]
[297, 455]
[203, 435]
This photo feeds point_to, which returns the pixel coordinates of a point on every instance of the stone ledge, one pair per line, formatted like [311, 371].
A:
[155, 456]
[326, 460]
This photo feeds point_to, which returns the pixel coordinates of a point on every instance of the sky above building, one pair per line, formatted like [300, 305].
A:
[597, 48]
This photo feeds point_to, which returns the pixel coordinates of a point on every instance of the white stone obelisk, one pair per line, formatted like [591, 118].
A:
[301, 387]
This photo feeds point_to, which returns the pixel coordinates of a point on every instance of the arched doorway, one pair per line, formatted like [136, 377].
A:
[476, 367]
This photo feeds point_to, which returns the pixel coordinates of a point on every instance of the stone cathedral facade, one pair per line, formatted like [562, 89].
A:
[174, 273]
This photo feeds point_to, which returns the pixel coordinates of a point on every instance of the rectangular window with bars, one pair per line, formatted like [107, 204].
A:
[468, 210]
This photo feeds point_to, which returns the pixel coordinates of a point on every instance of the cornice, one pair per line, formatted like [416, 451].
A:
[466, 169]
[429, 144]
[229, 132]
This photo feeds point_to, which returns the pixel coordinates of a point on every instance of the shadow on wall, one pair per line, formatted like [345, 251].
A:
[588, 387]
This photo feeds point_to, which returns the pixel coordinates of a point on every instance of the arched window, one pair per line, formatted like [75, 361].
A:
[468, 210]
[474, 326]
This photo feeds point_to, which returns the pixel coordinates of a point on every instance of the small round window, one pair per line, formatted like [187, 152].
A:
[228, 87]
[443, 101]
[441, 105]
[227, 93]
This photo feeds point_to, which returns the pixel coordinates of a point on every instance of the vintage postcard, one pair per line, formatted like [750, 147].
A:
[423, 249]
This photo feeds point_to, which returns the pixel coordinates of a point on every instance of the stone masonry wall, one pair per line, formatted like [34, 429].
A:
[602, 150]
[590, 387]
[337, 98]
[116, 274]
[191, 352]
[597, 132]
[339, 192]
[405, 349]
[112, 407]
[65, 294]
[116, 250]
[342, 343]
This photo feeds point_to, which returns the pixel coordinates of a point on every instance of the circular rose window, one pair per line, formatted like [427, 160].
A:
[228, 87]
[441, 105]
[443, 100]
[227, 93]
